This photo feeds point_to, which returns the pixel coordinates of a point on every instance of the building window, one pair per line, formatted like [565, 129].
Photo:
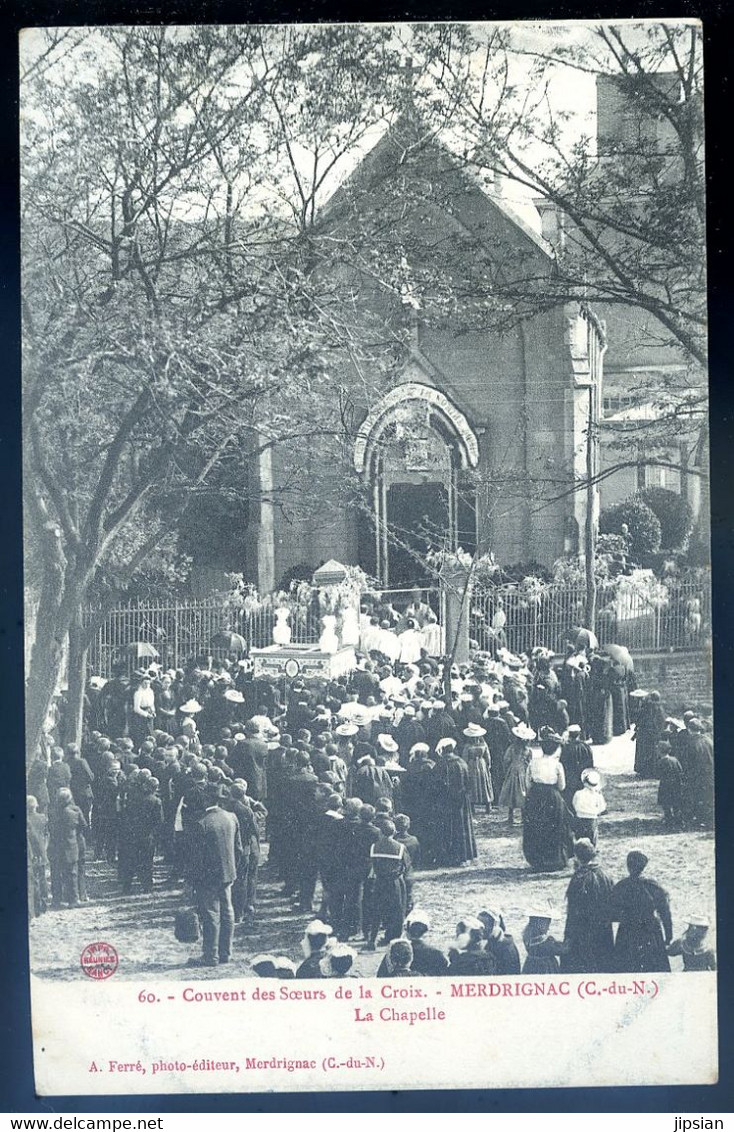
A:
[616, 403]
[656, 476]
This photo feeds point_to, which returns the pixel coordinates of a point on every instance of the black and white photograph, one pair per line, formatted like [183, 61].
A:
[367, 521]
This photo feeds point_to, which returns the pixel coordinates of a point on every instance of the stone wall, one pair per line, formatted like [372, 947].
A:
[683, 679]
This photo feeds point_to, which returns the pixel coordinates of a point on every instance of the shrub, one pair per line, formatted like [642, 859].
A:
[643, 526]
[674, 513]
[301, 572]
[518, 571]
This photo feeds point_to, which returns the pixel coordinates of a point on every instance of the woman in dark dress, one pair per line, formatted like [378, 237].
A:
[600, 700]
[589, 937]
[576, 757]
[458, 843]
[547, 837]
[648, 733]
[641, 908]
[620, 700]
[420, 799]
[475, 754]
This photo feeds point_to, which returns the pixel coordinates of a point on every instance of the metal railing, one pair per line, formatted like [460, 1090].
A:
[504, 615]
[180, 630]
[676, 619]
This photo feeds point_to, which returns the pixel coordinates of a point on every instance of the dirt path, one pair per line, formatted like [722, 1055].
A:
[141, 926]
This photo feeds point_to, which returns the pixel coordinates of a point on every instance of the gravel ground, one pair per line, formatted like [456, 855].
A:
[140, 926]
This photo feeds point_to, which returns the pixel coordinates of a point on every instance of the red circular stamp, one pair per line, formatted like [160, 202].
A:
[99, 960]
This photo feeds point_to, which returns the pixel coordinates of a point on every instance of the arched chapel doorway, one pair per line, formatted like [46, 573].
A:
[416, 452]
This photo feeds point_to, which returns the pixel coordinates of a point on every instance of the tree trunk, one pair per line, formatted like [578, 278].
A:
[590, 531]
[462, 613]
[79, 641]
[45, 668]
[47, 654]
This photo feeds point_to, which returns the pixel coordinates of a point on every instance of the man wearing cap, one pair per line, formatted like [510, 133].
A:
[370, 782]
[143, 818]
[670, 790]
[439, 725]
[698, 782]
[365, 682]
[82, 779]
[217, 848]
[244, 887]
[249, 761]
[589, 937]
[305, 809]
[349, 870]
[640, 907]
[327, 839]
[498, 740]
[66, 833]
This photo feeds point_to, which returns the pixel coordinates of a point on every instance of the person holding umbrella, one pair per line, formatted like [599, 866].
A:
[621, 665]
[648, 733]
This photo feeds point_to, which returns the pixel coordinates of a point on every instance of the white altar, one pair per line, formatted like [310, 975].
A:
[305, 661]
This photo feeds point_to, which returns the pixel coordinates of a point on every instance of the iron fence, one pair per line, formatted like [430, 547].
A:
[675, 618]
[180, 630]
[509, 615]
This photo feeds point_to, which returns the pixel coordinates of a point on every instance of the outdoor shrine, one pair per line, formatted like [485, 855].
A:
[333, 655]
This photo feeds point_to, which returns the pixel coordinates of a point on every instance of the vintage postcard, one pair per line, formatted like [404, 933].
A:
[367, 557]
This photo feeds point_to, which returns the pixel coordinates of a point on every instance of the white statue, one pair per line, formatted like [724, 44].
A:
[328, 641]
[350, 627]
[281, 629]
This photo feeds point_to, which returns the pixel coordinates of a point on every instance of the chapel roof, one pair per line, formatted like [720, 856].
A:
[409, 137]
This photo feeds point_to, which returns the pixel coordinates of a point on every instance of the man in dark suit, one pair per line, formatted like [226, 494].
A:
[66, 838]
[249, 761]
[216, 850]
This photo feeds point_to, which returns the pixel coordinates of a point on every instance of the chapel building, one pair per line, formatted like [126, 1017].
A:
[475, 431]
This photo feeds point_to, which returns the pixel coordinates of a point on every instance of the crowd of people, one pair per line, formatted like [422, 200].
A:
[358, 783]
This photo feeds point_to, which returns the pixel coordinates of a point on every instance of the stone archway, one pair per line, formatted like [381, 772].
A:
[416, 450]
